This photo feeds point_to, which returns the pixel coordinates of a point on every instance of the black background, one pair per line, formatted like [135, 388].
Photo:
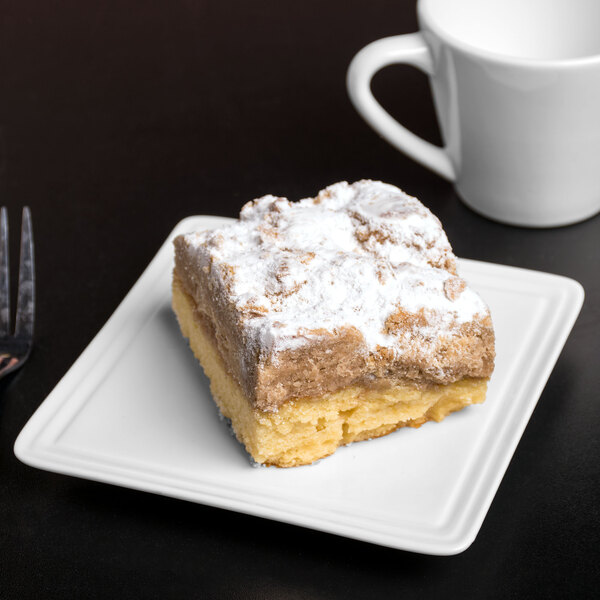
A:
[118, 119]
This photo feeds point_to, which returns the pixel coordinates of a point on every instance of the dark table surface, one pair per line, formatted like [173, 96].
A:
[118, 119]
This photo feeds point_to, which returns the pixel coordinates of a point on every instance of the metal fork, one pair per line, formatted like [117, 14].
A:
[16, 347]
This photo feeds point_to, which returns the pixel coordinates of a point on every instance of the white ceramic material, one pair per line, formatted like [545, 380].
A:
[516, 86]
[135, 410]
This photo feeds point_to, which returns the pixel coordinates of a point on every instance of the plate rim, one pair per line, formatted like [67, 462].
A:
[456, 540]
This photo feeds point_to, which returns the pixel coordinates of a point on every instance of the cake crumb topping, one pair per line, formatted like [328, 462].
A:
[365, 256]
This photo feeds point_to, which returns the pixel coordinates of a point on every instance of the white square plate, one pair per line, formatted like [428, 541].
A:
[135, 410]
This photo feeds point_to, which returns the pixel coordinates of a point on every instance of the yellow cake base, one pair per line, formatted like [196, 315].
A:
[307, 429]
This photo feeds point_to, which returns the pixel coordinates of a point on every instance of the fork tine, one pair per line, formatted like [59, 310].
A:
[26, 293]
[4, 275]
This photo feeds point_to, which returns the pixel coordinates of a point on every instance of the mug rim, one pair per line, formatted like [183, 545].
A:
[424, 14]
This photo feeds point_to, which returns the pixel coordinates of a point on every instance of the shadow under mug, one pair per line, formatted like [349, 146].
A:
[516, 87]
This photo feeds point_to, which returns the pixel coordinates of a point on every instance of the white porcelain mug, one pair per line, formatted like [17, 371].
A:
[516, 87]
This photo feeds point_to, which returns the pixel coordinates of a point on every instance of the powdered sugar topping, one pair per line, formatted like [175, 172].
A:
[351, 257]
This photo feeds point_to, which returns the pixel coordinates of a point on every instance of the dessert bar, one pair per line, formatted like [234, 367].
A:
[331, 320]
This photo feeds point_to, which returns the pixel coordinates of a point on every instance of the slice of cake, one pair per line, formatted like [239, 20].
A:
[331, 320]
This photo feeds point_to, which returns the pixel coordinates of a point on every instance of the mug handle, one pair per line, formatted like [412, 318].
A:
[410, 49]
